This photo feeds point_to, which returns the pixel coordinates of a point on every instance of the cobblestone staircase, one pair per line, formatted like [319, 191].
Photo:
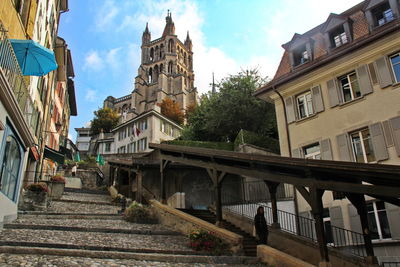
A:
[85, 229]
[249, 242]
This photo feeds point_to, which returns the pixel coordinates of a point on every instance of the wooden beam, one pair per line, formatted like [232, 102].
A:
[385, 191]
[391, 200]
[306, 195]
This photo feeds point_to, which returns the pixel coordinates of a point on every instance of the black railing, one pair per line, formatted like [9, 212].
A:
[346, 241]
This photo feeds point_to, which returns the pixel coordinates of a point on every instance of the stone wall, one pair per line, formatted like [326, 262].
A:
[185, 224]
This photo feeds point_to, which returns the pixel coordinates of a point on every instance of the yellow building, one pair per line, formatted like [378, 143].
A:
[337, 97]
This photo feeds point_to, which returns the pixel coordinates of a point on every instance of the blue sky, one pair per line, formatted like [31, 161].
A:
[228, 35]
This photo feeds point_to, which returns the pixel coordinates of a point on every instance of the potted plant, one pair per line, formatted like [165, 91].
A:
[57, 185]
[138, 213]
[35, 197]
[201, 240]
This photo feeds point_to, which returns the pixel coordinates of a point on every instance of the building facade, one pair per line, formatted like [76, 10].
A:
[166, 71]
[336, 94]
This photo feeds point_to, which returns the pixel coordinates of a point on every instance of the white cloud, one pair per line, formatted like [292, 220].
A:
[91, 95]
[106, 15]
[88, 124]
[93, 61]
[112, 58]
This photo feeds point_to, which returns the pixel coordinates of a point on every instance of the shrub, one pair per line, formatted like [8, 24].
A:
[201, 240]
[37, 187]
[138, 213]
[57, 179]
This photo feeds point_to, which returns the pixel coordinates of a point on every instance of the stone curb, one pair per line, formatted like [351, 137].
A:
[136, 256]
[86, 191]
[68, 213]
[84, 217]
[88, 229]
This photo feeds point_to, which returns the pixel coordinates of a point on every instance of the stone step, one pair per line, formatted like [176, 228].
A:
[88, 229]
[103, 203]
[158, 257]
[86, 191]
[84, 216]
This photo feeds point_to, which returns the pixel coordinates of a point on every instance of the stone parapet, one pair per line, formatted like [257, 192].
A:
[278, 258]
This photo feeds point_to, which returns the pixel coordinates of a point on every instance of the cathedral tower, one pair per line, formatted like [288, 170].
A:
[166, 71]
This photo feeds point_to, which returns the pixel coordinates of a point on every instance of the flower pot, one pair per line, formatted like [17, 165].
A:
[34, 201]
[56, 189]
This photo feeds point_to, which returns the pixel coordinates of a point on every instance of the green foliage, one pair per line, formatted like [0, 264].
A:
[171, 110]
[220, 116]
[138, 213]
[201, 240]
[104, 118]
[203, 144]
[89, 162]
[246, 137]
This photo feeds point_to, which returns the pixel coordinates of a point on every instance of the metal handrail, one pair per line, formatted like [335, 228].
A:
[391, 264]
[346, 241]
[12, 72]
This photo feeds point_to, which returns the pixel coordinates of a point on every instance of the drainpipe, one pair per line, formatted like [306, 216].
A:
[286, 122]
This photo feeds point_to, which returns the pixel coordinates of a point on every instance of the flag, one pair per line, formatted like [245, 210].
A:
[77, 157]
[101, 161]
[137, 131]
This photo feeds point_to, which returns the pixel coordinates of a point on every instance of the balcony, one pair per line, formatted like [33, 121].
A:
[16, 96]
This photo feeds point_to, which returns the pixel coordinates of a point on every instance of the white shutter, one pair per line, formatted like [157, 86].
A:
[378, 141]
[395, 123]
[364, 81]
[296, 153]
[325, 147]
[333, 92]
[355, 223]
[317, 99]
[290, 109]
[384, 75]
[344, 147]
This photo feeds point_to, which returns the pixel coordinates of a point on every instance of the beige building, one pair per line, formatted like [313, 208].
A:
[337, 97]
[166, 71]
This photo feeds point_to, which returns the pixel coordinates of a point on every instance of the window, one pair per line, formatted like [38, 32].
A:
[395, 62]
[304, 105]
[377, 220]
[108, 147]
[338, 37]
[301, 55]
[349, 86]
[361, 144]
[143, 125]
[382, 14]
[142, 144]
[10, 166]
[312, 152]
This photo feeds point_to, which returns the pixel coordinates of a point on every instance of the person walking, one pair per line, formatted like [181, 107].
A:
[73, 171]
[261, 225]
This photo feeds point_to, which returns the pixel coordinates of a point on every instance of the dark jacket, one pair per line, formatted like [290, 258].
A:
[260, 223]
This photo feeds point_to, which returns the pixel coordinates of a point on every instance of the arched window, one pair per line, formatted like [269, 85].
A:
[161, 51]
[11, 165]
[156, 73]
[170, 45]
[151, 54]
[190, 62]
[170, 67]
[161, 68]
[150, 75]
[156, 53]
[184, 58]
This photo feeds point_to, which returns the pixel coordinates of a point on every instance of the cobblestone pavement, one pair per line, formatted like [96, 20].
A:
[57, 206]
[116, 240]
[86, 223]
[11, 260]
[85, 197]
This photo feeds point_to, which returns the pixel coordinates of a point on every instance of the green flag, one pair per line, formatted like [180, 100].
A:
[77, 157]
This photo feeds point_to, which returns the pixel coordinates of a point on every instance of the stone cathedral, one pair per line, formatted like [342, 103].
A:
[166, 71]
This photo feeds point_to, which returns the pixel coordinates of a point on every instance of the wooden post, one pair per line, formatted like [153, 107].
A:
[359, 202]
[317, 210]
[139, 186]
[163, 166]
[217, 179]
[111, 176]
[130, 183]
[272, 191]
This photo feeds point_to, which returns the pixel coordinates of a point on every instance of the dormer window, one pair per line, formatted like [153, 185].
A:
[338, 37]
[382, 14]
[300, 56]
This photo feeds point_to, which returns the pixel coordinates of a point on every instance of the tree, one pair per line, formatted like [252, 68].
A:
[104, 118]
[221, 115]
[171, 110]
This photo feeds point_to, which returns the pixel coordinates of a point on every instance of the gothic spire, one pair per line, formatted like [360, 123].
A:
[146, 37]
[188, 42]
[169, 26]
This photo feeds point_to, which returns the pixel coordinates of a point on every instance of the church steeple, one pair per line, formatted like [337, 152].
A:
[188, 42]
[146, 37]
[169, 26]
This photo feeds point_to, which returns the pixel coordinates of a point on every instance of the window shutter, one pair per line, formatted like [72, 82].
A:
[355, 223]
[336, 220]
[364, 81]
[388, 133]
[378, 141]
[385, 78]
[290, 109]
[393, 215]
[344, 147]
[333, 93]
[372, 73]
[395, 123]
[296, 153]
[317, 99]
[325, 147]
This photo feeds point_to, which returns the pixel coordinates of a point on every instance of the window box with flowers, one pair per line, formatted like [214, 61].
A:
[34, 197]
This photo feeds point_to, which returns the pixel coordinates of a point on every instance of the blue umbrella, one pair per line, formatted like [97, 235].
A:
[33, 58]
